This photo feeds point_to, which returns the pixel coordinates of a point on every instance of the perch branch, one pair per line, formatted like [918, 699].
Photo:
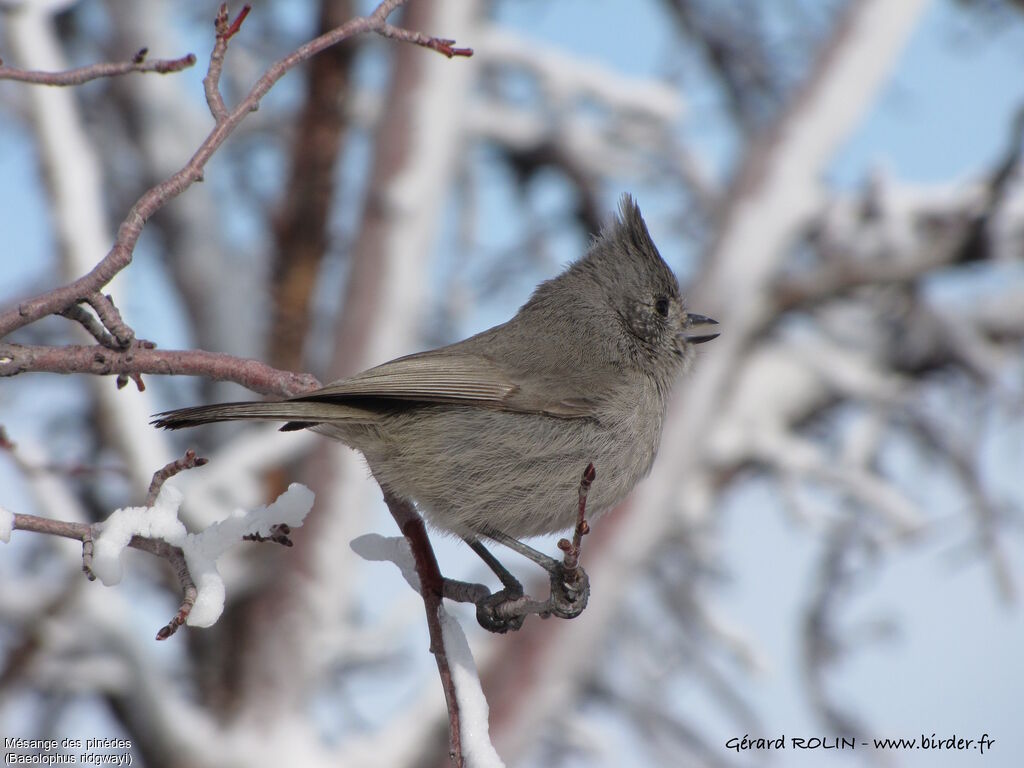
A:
[432, 587]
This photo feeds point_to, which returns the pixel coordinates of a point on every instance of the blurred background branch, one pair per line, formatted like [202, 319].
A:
[835, 506]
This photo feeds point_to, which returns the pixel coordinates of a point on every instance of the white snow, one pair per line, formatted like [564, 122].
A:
[477, 748]
[473, 711]
[395, 549]
[201, 549]
[6, 525]
[158, 522]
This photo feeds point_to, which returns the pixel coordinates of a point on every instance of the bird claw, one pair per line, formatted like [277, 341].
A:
[498, 612]
[570, 591]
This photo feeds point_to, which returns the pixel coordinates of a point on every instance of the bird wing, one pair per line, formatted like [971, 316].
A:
[447, 376]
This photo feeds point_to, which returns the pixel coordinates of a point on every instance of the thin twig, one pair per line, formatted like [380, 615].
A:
[87, 552]
[176, 558]
[49, 527]
[225, 30]
[188, 461]
[94, 327]
[130, 229]
[103, 306]
[96, 71]
[571, 550]
[438, 44]
[236, 25]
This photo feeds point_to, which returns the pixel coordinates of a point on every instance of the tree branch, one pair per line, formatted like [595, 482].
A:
[141, 359]
[431, 590]
[128, 233]
[81, 75]
[211, 83]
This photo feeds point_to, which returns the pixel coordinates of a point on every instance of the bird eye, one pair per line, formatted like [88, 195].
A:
[661, 306]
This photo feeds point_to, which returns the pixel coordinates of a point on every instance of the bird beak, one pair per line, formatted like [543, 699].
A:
[698, 329]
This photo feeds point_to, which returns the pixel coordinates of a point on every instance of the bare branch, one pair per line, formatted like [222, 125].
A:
[120, 255]
[142, 359]
[189, 592]
[50, 527]
[211, 83]
[176, 558]
[103, 306]
[572, 549]
[88, 321]
[96, 71]
[418, 38]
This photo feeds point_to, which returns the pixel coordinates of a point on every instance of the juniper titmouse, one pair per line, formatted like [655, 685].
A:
[492, 433]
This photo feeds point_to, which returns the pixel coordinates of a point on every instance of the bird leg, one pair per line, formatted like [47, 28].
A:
[505, 610]
[499, 612]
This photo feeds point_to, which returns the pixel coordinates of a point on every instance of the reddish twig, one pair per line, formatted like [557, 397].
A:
[176, 558]
[432, 586]
[188, 461]
[438, 44]
[142, 359]
[110, 331]
[236, 25]
[81, 75]
[225, 30]
[572, 549]
[123, 379]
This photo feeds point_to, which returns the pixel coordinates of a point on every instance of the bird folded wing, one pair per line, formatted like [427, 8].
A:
[469, 379]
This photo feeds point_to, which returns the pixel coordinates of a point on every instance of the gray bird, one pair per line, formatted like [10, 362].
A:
[489, 436]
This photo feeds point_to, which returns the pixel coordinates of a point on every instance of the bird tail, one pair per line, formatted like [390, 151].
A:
[301, 414]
